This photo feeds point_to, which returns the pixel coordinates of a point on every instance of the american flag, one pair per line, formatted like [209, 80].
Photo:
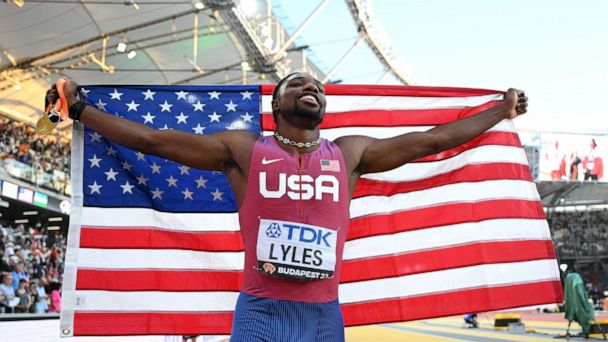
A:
[154, 246]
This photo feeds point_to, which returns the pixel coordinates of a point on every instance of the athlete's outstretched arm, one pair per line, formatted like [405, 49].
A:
[210, 152]
[367, 155]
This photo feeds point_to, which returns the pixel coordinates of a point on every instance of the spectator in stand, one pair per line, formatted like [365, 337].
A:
[41, 304]
[34, 295]
[43, 153]
[4, 265]
[18, 274]
[7, 293]
[25, 299]
[55, 305]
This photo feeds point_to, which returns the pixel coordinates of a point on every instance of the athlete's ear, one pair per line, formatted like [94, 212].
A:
[275, 105]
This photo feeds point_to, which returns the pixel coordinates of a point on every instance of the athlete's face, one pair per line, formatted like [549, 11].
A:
[302, 97]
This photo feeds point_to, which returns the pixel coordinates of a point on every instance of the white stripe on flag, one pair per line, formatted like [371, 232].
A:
[158, 259]
[345, 103]
[143, 217]
[479, 155]
[446, 236]
[451, 193]
[449, 280]
[158, 301]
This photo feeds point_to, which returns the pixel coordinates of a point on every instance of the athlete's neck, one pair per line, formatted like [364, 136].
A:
[297, 135]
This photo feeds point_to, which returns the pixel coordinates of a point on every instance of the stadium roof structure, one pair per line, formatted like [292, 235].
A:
[129, 42]
[556, 194]
[152, 42]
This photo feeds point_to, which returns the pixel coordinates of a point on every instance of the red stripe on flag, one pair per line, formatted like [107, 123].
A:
[154, 238]
[468, 173]
[442, 215]
[478, 253]
[390, 118]
[395, 90]
[159, 280]
[452, 303]
[151, 323]
[489, 138]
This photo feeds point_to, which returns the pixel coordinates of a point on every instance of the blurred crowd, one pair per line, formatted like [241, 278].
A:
[32, 262]
[580, 233]
[37, 154]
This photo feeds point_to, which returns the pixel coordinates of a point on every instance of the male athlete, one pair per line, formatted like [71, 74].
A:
[293, 190]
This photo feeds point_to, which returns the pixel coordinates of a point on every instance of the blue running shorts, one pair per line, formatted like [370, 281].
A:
[259, 319]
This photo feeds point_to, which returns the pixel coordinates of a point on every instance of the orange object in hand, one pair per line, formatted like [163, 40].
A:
[61, 106]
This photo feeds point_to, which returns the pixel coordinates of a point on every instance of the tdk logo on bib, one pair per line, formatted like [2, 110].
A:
[295, 250]
[304, 186]
[273, 230]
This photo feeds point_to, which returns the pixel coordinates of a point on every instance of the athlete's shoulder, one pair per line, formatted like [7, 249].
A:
[243, 137]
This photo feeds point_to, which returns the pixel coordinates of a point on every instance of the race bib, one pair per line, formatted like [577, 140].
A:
[295, 250]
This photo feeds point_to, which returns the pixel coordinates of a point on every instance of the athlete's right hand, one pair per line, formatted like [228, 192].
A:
[70, 89]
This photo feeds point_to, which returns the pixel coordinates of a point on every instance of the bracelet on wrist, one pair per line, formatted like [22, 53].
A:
[76, 110]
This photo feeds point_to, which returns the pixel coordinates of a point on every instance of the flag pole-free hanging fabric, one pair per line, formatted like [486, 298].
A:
[154, 246]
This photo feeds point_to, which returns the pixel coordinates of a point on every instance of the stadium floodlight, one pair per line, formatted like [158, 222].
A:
[30, 213]
[199, 5]
[131, 54]
[122, 47]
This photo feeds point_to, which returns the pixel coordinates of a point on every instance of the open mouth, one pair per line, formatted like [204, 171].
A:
[310, 100]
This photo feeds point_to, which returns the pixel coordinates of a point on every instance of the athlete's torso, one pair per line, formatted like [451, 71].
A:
[301, 203]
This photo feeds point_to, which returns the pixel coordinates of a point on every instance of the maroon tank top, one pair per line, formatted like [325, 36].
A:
[294, 221]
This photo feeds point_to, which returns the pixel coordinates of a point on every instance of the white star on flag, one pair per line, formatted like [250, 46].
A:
[172, 181]
[85, 91]
[142, 180]
[155, 168]
[182, 118]
[164, 128]
[165, 107]
[95, 188]
[140, 156]
[95, 161]
[198, 106]
[95, 137]
[111, 174]
[126, 165]
[217, 195]
[115, 95]
[214, 117]
[127, 188]
[132, 106]
[148, 118]
[184, 170]
[149, 95]
[198, 129]
[181, 94]
[101, 105]
[247, 117]
[246, 95]
[157, 194]
[214, 95]
[201, 182]
[231, 106]
[111, 151]
[187, 194]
